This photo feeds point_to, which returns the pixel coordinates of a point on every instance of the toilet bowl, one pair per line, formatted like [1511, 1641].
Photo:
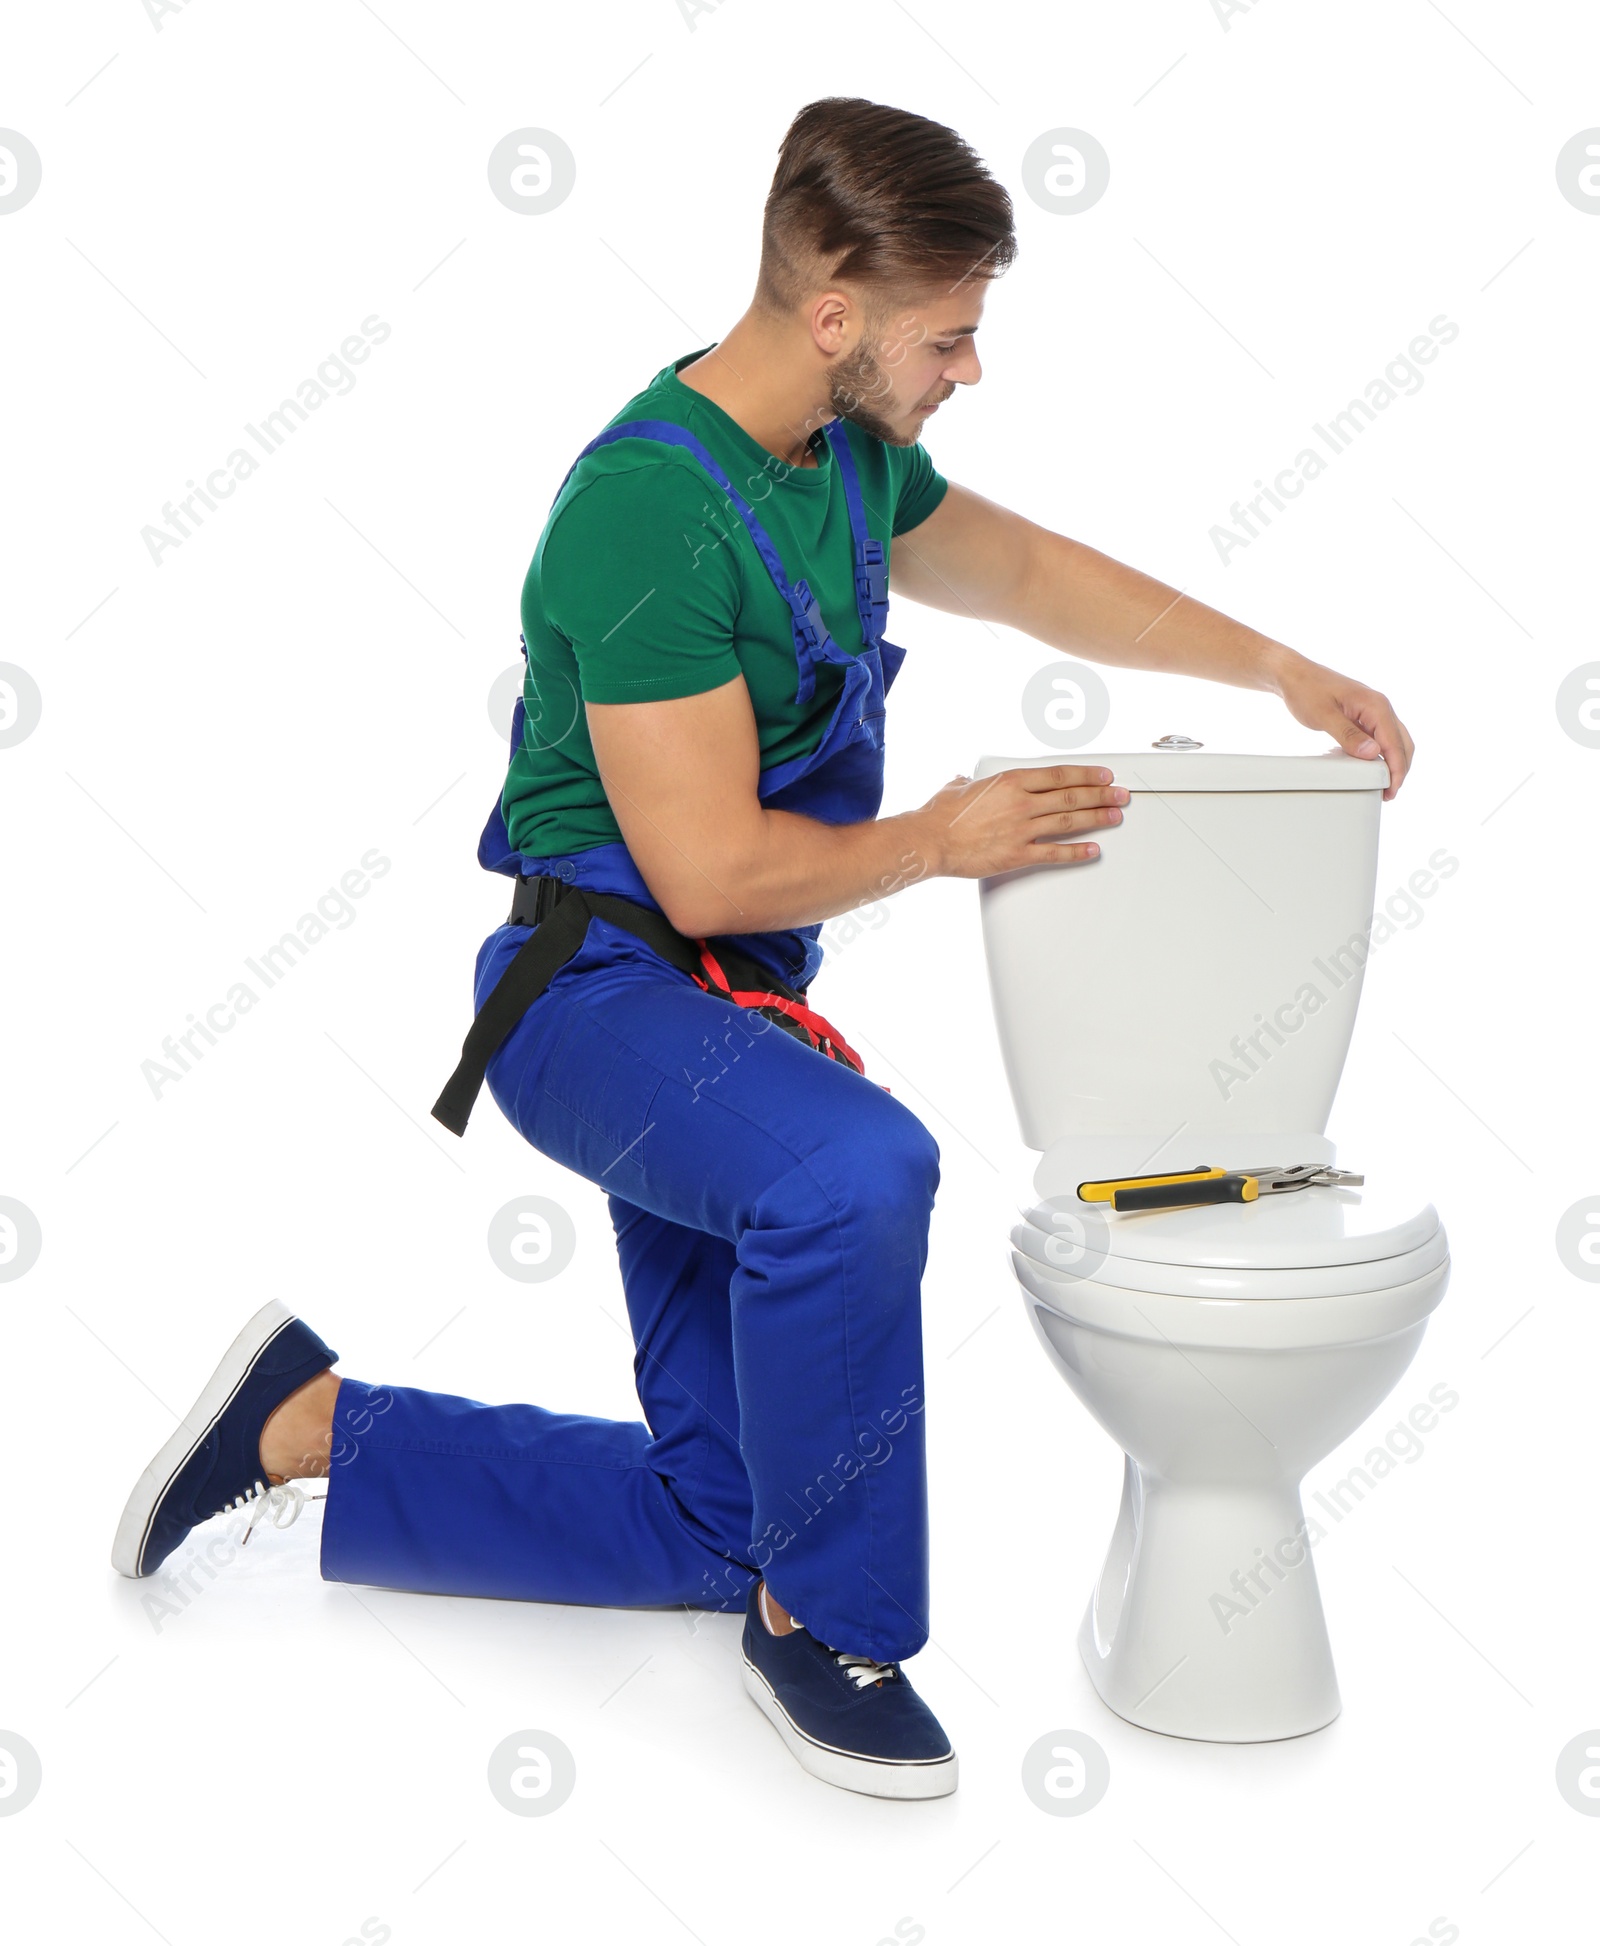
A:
[1226, 1349]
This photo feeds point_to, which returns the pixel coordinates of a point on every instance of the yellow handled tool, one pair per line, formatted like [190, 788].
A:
[1230, 1187]
[1194, 1188]
[1105, 1192]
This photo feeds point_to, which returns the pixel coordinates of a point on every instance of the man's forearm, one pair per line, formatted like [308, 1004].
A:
[793, 871]
[1081, 601]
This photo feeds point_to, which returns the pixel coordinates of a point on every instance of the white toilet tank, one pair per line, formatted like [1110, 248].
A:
[1203, 971]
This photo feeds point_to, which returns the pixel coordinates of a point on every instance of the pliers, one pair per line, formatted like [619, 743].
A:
[1193, 1188]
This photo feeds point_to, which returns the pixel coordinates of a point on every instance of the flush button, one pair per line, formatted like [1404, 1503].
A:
[1176, 743]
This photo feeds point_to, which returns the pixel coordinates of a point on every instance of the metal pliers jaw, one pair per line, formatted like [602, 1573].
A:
[1302, 1175]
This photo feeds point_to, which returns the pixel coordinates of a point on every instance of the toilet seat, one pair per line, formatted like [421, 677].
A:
[1220, 1323]
[1312, 1243]
[1199, 1280]
[1317, 1267]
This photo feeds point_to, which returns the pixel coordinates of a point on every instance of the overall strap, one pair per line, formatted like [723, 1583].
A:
[872, 573]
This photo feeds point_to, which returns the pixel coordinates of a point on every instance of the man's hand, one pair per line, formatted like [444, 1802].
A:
[1359, 720]
[1017, 818]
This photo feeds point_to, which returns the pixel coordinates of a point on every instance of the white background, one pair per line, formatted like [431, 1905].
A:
[1294, 196]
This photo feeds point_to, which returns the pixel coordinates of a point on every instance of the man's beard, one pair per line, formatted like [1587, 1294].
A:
[857, 386]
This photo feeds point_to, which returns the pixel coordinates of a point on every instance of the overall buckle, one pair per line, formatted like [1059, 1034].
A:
[534, 898]
[872, 587]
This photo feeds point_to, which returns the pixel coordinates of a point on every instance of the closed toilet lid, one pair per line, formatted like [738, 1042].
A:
[1308, 1229]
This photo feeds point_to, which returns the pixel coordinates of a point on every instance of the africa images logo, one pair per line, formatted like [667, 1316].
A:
[1400, 379]
[333, 378]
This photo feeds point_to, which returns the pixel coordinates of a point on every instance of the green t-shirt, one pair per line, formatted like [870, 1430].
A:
[646, 585]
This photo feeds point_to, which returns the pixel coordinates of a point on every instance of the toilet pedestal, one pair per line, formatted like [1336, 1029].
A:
[1206, 1621]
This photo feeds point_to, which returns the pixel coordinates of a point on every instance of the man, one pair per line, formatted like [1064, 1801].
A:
[696, 771]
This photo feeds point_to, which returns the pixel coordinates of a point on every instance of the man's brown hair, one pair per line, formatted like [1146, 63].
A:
[880, 198]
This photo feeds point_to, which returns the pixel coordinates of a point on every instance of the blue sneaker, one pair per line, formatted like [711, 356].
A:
[212, 1463]
[847, 1719]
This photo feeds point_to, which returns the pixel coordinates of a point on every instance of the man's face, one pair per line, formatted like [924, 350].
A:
[910, 358]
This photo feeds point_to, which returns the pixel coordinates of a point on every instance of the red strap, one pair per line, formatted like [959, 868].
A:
[708, 960]
[821, 1030]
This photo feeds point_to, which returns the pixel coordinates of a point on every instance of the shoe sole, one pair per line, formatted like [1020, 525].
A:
[133, 1530]
[874, 1777]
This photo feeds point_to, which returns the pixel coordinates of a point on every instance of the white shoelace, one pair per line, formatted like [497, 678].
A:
[862, 1670]
[283, 1503]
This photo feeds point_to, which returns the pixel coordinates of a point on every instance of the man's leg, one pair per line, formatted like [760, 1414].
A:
[819, 1185]
[736, 1158]
[446, 1495]
[438, 1493]
[677, 1283]
[715, 1121]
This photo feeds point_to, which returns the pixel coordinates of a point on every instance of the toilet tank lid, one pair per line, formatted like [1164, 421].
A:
[1173, 772]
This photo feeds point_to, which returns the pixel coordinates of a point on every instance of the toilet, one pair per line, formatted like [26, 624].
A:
[1187, 999]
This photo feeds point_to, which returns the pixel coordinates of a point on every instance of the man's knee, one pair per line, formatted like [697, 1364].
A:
[913, 1158]
[887, 1163]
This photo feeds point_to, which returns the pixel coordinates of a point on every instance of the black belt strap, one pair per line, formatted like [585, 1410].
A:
[560, 914]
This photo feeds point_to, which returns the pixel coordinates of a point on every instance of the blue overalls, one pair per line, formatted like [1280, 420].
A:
[771, 1211]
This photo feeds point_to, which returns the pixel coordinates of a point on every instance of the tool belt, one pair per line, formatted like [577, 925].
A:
[560, 914]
